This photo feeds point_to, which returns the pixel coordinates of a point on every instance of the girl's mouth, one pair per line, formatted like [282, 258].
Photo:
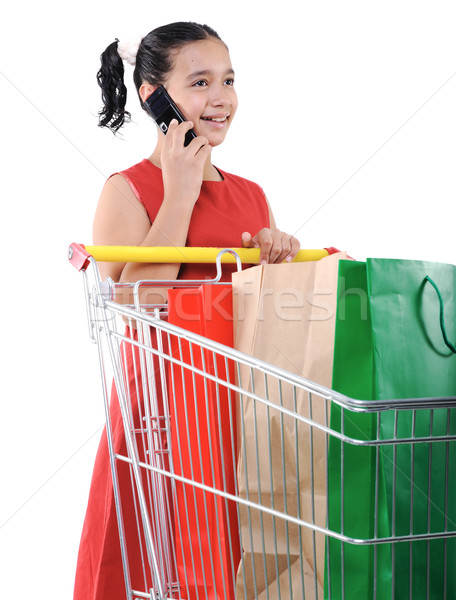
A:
[215, 119]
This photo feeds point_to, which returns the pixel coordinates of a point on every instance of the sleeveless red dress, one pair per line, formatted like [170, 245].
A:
[224, 210]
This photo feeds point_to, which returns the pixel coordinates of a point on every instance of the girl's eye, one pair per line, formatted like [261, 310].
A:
[200, 83]
[229, 81]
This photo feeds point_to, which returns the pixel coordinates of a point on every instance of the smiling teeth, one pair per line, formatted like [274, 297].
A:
[218, 119]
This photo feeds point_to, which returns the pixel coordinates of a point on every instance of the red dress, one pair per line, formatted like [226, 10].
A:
[224, 210]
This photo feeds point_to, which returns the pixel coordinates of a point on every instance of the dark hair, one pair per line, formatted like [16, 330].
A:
[154, 61]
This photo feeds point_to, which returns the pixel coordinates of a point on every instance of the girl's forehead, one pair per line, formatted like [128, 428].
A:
[209, 55]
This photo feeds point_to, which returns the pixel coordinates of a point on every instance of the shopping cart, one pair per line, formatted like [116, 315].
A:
[202, 530]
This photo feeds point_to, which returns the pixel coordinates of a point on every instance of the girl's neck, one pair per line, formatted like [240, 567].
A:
[210, 173]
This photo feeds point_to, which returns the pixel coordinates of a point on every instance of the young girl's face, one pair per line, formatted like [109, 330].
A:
[202, 85]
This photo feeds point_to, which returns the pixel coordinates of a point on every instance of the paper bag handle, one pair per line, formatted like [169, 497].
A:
[450, 345]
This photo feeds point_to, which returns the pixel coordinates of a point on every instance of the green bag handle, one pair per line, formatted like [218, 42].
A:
[451, 346]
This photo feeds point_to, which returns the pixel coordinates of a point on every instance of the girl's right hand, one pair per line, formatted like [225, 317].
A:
[183, 166]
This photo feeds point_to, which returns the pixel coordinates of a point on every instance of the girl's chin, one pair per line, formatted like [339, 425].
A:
[214, 131]
[215, 140]
[212, 141]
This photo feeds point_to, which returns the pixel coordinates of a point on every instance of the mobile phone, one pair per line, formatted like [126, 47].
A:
[163, 109]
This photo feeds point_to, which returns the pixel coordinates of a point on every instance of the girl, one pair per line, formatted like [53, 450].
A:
[176, 197]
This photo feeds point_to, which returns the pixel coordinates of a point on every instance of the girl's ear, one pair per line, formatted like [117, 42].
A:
[146, 90]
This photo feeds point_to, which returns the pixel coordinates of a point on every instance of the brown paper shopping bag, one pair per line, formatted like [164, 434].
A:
[284, 315]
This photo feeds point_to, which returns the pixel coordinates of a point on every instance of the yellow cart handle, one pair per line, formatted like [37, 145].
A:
[171, 254]
[79, 254]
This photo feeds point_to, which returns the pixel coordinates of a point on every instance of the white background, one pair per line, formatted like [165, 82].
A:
[346, 119]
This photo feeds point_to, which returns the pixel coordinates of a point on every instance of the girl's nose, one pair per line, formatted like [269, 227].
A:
[220, 95]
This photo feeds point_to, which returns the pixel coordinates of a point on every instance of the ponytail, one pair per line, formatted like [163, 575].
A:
[110, 78]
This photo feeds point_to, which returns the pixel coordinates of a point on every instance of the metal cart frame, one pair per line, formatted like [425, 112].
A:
[269, 530]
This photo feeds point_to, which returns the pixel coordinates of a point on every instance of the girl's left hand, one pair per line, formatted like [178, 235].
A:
[275, 245]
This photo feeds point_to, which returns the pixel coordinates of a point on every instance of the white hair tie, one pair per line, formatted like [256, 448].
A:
[128, 50]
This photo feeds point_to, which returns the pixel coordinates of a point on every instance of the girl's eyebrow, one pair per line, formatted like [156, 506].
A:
[206, 72]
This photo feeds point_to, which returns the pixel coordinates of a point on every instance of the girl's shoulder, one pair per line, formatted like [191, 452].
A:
[143, 170]
[144, 178]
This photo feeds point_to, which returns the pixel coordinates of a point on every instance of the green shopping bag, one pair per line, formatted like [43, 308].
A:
[407, 352]
[413, 358]
[352, 572]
